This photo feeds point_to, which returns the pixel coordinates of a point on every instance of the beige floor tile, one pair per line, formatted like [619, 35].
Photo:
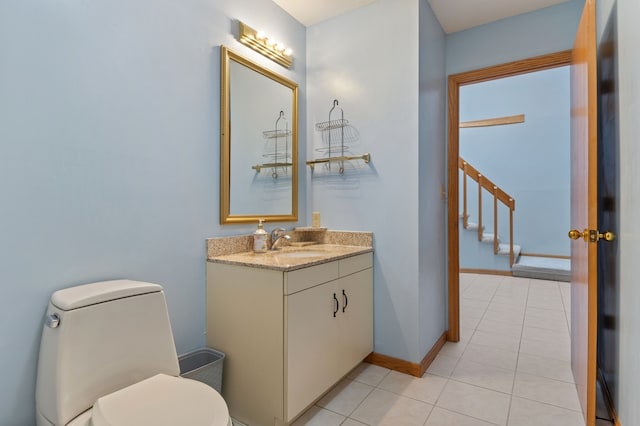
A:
[466, 333]
[351, 422]
[473, 303]
[489, 279]
[543, 284]
[525, 412]
[317, 416]
[469, 323]
[453, 349]
[467, 278]
[386, 408]
[491, 356]
[443, 365]
[345, 397]
[546, 302]
[541, 348]
[544, 292]
[500, 327]
[442, 417]
[471, 312]
[426, 388]
[549, 323]
[478, 294]
[508, 317]
[483, 375]
[368, 374]
[506, 307]
[473, 401]
[496, 340]
[550, 336]
[514, 299]
[515, 281]
[548, 391]
[545, 367]
[533, 312]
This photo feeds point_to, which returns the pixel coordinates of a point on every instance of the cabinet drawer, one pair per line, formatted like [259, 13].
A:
[302, 279]
[354, 264]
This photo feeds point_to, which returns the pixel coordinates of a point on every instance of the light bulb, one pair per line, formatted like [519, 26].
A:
[288, 52]
[280, 47]
[260, 35]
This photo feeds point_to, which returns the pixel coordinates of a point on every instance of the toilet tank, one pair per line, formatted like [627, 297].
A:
[108, 335]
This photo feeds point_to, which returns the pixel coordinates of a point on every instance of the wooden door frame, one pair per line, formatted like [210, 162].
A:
[524, 66]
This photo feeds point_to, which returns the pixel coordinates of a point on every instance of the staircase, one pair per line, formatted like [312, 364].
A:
[485, 251]
[480, 249]
[479, 253]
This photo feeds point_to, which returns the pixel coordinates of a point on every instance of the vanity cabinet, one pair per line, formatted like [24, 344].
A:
[288, 336]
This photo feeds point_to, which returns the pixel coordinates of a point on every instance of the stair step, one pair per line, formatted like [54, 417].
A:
[503, 249]
[472, 226]
[488, 238]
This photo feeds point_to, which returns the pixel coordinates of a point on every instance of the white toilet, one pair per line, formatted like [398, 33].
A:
[107, 358]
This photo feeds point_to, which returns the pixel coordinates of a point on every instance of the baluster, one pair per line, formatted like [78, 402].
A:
[465, 213]
[511, 254]
[495, 220]
[480, 178]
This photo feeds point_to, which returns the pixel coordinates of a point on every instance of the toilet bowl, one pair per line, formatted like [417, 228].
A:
[107, 358]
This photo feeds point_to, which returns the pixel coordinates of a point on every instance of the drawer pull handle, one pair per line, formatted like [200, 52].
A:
[346, 300]
[337, 305]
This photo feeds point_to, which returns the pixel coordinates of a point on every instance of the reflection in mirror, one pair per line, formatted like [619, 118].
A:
[259, 143]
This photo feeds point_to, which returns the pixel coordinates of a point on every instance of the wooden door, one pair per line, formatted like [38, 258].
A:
[584, 211]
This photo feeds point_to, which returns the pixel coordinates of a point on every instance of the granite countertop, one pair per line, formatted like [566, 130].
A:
[292, 258]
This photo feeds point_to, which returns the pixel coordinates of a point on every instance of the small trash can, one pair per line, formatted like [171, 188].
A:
[204, 365]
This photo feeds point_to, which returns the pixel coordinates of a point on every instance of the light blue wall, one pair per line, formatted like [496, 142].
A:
[529, 161]
[109, 141]
[369, 60]
[431, 171]
[548, 30]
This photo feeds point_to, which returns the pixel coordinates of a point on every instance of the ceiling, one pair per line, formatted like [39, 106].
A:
[454, 15]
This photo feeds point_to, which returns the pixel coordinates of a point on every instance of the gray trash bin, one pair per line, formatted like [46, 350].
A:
[204, 365]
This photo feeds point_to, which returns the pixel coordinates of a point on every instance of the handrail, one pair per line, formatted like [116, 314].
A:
[498, 195]
[473, 173]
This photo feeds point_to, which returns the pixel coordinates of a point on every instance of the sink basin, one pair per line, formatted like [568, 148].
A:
[304, 253]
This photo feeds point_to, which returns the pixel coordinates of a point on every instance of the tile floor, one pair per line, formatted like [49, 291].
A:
[510, 368]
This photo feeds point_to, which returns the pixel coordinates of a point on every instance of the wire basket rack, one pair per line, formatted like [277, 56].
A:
[277, 148]
[337, 137]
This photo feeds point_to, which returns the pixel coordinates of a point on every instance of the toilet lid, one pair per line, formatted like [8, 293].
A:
[162, 400]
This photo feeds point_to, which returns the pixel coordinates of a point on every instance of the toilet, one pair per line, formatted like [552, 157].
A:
[107, 358]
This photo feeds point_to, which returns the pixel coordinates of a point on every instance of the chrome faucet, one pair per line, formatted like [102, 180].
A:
[276, 235]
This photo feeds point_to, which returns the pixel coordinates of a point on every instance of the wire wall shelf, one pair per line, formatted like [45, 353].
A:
[277, 149]
[337, 137]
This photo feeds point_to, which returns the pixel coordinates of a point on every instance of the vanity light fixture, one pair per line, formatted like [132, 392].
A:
[267, 46]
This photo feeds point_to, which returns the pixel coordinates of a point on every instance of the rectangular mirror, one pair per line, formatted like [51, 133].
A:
[258, 143]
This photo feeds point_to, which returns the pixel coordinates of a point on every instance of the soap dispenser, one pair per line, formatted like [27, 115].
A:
[260, 238]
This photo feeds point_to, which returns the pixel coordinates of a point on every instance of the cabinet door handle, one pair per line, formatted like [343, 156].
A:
[346, 300]
[337, 305]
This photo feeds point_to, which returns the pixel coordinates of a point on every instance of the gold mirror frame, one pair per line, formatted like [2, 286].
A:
[226, 217]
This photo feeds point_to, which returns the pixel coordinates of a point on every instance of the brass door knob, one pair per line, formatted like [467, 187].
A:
[574, 234]
[591, 235]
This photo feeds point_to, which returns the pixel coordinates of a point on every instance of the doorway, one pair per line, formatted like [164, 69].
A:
[515, 132]
[455, 82]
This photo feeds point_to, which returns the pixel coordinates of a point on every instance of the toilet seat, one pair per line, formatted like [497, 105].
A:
[162, 400]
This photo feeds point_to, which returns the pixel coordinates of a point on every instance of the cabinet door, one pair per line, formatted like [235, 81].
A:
[355, 327]
[311, 337]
